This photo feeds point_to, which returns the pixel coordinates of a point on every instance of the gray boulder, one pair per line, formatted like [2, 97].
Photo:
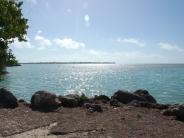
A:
[7, 99]
[176, 110]
[126, 97]
[44, 100]
[71, 100]
[102, 98]
[145, 94]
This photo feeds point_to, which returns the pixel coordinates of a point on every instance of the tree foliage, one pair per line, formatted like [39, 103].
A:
[12, 25]
[11, 59]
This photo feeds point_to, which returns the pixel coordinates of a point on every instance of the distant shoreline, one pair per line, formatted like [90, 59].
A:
[69, 63]
[100, 63]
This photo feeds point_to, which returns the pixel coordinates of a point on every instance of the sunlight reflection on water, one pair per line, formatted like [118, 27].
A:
[165, 82]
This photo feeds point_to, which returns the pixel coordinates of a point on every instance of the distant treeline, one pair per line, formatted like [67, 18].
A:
[69, 63]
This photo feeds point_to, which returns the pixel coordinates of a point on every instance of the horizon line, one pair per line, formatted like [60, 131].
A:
[105, 62]
[68, 62]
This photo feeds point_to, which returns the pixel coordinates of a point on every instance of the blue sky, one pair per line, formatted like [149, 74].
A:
[124, 31]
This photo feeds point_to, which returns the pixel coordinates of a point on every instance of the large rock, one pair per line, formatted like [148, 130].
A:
[102, 98]
[71, 100]
[176, 110]
[126, 97]
[145, 94]
[7, 99]
[44, 100]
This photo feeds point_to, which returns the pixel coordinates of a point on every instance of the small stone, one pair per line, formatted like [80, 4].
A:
[93, 107]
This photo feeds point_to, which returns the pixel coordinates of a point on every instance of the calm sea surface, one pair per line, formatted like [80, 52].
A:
[165, 82]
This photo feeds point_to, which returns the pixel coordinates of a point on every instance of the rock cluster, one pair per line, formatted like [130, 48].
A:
[126, 97]
[43, 100]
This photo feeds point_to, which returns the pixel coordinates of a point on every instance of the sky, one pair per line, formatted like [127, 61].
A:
[122, 31]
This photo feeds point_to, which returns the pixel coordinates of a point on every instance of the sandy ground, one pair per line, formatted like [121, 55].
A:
[42, 132]
[22, 118]
[122, 122]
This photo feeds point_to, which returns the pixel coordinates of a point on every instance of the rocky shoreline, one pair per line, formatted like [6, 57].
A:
[90, 117]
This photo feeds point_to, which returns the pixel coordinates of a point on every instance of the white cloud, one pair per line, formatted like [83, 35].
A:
[69, 43]
[96, 52]
[39, 31]
[118, 57]
[41, 41]
[170, 47]
[134, 41]
[23, 44]
[87, 20]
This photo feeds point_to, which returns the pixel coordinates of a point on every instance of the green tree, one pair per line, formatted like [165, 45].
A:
[12, 25]
[11, 59]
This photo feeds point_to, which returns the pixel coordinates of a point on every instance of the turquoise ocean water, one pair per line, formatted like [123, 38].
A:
[164, 82]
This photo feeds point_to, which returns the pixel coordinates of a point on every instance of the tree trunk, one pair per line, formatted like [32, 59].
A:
[3, 55]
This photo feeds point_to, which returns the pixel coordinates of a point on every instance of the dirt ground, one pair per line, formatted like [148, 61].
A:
[121, 122]
[22, 118]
